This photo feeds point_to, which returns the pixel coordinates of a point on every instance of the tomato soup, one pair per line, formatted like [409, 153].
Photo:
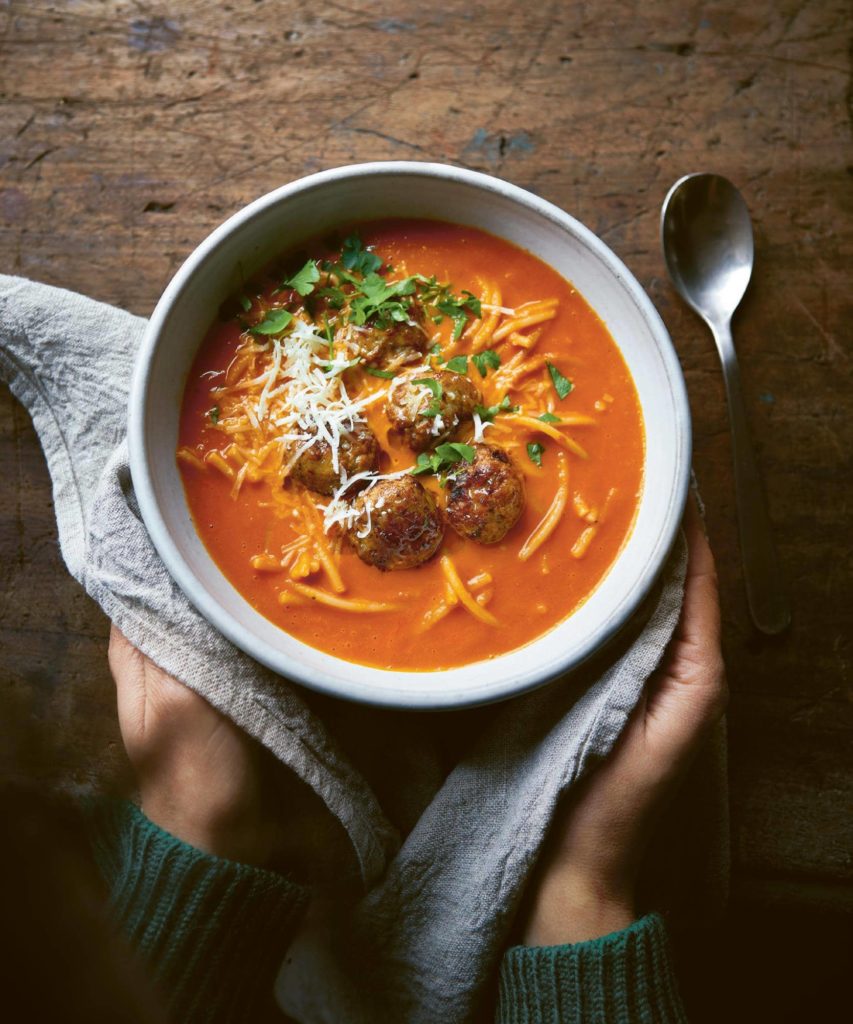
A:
[555, 396]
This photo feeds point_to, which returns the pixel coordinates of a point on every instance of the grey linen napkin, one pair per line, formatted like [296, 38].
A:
[443, 855]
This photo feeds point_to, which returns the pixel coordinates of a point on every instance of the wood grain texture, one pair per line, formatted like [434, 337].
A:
[129, 130]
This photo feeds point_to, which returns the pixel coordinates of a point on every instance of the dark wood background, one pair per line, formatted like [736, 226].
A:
[129, 130]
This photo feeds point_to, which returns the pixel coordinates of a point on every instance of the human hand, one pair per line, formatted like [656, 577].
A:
[583, 886]
[200, 777]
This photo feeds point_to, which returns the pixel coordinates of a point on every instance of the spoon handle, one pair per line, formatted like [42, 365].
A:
[768, 603]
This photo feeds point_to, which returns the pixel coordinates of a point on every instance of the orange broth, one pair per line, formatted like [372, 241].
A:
[527, 598]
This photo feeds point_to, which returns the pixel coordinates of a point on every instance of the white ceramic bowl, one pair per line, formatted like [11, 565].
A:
[287, 217]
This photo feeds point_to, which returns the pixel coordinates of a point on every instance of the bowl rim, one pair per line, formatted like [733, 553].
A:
[278, 661]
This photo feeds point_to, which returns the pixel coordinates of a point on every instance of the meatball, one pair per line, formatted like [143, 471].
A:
[358, 452]
[486, 498]
[401, 525]
[408, 402]
[389, 348]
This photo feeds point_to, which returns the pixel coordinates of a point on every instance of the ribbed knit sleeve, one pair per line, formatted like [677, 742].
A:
[212, 932]
[623, 978]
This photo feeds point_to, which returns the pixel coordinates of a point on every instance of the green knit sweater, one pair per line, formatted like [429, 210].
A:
[214, 932]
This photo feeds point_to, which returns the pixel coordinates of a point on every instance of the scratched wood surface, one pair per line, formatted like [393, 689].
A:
[127, 133]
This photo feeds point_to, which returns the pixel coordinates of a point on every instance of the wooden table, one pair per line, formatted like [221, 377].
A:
[128, 133]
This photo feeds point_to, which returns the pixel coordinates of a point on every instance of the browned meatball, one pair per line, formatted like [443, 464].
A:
[403, 528]
[486, 498]
[358, 452]
[408, 401]
[389, 348]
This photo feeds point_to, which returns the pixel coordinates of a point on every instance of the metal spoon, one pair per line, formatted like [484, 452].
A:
[706, 235]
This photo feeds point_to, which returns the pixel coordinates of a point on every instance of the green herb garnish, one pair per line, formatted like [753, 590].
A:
[305, 280]
[534, 452]
[455, 452]
[488, 412]
[245, 302]
[485, 361]
[443, 458]
[355, 257]
[335, 296]
[384, 374]
[273, 323]
[214, 414]
[459, 309]
[380, 299]
[436, 390]
[562, 385]
[458, 364]
[549, 417]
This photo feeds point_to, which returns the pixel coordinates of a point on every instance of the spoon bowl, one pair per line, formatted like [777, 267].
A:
[707, 243]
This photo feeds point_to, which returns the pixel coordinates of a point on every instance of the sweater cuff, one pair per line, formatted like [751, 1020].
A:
[212, 932]
[623, 978]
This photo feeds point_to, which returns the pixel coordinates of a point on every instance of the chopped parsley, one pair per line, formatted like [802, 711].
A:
[485, 361]
[534, 452]
[356, 284]
[549, 417]
[458, 308]
[562, 385]
[488, 412]
[214, 414]
[384, 374]
[336, 297]
[445, 457]
[355, 257]
[382, 300]
[458, 364]
[245, 302]
[273, 323]
[435, 388]
[304, 281]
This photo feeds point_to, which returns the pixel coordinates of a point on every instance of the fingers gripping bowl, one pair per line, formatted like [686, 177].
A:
[503, 330]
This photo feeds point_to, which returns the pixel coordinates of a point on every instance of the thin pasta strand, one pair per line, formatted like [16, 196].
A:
[345, 604]
[483, 334]
[527, 341]
[444, 607]
[551, 431]
[549, 521]
[581, 545]
[528, 315]
[189, 458]
[453, 578]
[216, 459]
[321, 546]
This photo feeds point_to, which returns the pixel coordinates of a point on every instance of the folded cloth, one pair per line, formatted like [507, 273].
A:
[443, 854]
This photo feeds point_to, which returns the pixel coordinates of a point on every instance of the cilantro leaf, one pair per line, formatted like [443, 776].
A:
[549, 417]
[473, 304]
[488, 412]
[355, 257]
[381, 299]
[214, 414]
[423, 464]
[384, 374]
[273, 323]
[485, 361]
[562, 385]
[245, 302]
[458, 309]
[455, 452]
[458, 364]
[336, 296]
[304, 281]
[534, 452]
[434, 386]
[443, 458]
